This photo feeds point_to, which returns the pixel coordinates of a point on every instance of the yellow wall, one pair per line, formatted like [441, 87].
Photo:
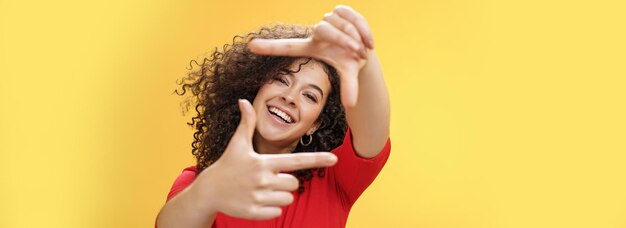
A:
[505, 113]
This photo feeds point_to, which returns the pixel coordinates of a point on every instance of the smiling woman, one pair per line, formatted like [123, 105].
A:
[238, 73]
[256, 161]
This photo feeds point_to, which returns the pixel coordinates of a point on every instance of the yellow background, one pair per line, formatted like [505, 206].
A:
[504, 113]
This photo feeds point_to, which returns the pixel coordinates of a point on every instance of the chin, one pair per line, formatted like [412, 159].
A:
[273, 135]
[276, 136]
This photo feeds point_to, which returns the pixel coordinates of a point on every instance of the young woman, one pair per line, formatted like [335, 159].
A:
[260, 164]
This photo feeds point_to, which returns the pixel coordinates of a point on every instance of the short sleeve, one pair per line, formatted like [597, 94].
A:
[352, 173]
[182, 181]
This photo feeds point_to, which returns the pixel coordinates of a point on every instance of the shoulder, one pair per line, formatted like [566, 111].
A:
[182, 181]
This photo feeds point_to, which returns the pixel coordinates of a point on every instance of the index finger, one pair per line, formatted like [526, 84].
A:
[280, 47]
[298, 161]
[358, 21]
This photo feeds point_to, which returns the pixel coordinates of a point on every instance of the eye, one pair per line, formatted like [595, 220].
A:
[311, 97]
[282, 80]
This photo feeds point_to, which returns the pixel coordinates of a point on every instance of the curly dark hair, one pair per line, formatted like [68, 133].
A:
[235, 72]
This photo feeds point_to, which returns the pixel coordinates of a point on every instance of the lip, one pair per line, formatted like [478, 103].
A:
[294, 120]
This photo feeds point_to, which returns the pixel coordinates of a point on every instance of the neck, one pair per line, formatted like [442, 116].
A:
[263, 146]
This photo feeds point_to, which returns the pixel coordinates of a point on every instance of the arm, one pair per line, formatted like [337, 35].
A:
[183, 211]
[344, 40]
[369, 118]
[241, 183]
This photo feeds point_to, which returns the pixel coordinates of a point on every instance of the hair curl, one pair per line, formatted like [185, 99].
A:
[235, 72]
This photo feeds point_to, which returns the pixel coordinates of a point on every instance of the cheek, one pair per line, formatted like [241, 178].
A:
[312, 113]
[261, 95]
[257, 103]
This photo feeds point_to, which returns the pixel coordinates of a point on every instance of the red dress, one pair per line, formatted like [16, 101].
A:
[325, 202]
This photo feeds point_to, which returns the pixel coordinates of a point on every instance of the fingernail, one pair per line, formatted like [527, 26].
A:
[332, 158]
[242, 101]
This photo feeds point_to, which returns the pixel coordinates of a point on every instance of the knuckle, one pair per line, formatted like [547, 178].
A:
[289, 45]
[319, 158]
[250, 212]
[349, 28]
[289, 183]
[346, 40]
[257, 198]
[258, 163]
[271, 48]
[297, 162]
[263, 181]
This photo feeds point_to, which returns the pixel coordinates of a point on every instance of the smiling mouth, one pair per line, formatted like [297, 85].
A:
[280, 114]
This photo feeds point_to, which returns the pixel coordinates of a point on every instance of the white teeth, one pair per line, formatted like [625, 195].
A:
[281, 114]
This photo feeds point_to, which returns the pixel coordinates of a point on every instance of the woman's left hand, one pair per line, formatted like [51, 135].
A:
[343, 40]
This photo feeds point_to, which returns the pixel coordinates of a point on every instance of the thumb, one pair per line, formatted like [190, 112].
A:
[349, 87]
[245, 130]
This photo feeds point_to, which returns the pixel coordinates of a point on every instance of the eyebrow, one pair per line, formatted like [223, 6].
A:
[311, 85]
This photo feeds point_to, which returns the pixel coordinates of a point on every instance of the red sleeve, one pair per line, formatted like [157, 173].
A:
[182, 181]
[353, 174]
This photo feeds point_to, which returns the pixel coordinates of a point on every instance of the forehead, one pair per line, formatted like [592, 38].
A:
[311, 72]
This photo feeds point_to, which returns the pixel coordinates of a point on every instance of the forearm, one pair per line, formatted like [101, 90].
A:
[369, 119]
[184, 211]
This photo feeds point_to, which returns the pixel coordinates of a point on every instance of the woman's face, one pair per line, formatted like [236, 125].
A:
[288, 106]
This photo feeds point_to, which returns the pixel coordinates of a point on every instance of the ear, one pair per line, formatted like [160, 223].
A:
[313, 128]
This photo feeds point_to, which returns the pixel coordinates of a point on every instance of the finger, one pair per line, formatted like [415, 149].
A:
[325, 31]
[349, 86]
[342, 24]
[264, 212]
[359, 21]
[347, 28]
[247, 122]
[275, 198]
[280, 47]
[284, 182]
[298, 161]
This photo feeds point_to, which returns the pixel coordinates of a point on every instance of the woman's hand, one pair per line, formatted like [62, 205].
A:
[248, 185]
[342, 40]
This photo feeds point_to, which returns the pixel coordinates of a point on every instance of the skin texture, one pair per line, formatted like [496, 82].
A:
[243, 183]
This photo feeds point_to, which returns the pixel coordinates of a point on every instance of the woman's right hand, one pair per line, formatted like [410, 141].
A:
[245, 184]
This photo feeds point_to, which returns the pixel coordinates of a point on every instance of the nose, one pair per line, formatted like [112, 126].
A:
[288, 97]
